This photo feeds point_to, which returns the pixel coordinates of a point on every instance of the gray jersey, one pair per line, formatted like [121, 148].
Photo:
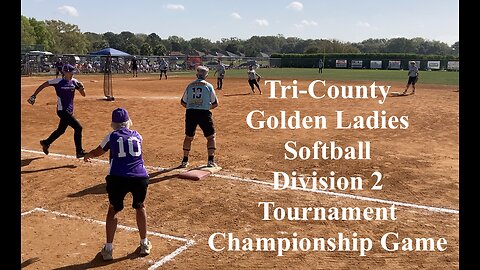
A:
[199, 95]
[252, 75]
[412, 71]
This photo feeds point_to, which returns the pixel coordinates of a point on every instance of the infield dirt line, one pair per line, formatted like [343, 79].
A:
[156, 264]
[330, 193]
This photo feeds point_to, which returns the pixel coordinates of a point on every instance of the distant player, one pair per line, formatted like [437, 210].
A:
[127, 174]
[412, 77]
[135, 66]
[58, 68]
[199, 98]
[65, 89]
[220, 72]
[163, 66]
[320, 66]
[253, 79]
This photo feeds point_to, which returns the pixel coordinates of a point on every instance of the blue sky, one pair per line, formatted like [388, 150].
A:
[344, 20]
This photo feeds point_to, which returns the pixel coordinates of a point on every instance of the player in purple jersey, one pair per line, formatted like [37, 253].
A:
[58, 67]
[127, 174]
[199, 98]
[65, 89]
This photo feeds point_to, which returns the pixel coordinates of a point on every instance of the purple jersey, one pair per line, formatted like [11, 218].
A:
[65, 90]
[125, 147]
[59, 65]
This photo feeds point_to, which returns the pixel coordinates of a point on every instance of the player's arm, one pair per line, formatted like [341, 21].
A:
[183, 101]
[94, 153]
[214, 99]
[39, 89]
[100, 150]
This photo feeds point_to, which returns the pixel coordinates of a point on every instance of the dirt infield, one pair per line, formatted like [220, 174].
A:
[68, 202]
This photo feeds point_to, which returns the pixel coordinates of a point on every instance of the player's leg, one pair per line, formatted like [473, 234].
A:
[258, 87]
[190, 127]
[211, 147]
[250, 82]
[407, 86]
[208, 128]
[117, 190]
[77, 134]
[111, 223]
[187, 144]
[62, 127]
[139, 192]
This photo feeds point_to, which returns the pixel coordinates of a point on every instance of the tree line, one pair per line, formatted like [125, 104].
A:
[63, 38]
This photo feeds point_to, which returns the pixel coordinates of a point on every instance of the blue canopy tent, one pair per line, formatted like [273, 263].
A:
[107, 78]
[111, 52]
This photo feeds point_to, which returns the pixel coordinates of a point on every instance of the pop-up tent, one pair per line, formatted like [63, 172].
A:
[111, 52]
[107, 78]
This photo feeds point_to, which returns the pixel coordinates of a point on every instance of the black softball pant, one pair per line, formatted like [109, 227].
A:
[67, 119]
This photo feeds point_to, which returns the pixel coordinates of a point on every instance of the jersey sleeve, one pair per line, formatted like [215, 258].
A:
[77, 83]
[54, 81]
[105, 144]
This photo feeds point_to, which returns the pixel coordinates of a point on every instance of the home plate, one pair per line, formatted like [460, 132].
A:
[199, 173]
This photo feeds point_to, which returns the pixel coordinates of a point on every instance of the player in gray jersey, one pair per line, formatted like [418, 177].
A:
[412, 77]
[220, 72]
[127, 174]
[163, 67]
[253, 79]
[198, 99]
[65, 89]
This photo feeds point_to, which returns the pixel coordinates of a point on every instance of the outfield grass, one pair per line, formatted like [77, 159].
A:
[427, 77]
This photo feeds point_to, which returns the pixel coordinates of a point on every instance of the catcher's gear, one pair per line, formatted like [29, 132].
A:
[31, 100]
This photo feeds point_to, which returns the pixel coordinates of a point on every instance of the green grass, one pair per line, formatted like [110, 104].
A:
[426, 77]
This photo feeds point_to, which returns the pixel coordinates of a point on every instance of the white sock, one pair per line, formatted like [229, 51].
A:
[108, 246]
[144, 241]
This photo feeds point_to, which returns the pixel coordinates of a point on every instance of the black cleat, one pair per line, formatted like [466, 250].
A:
[45, 146]
[81, 154]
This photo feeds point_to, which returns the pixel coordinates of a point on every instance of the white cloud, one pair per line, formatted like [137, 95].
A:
[68, 10]
[309, 23]
[261, 22]
[175, 7]
[363, 24]
[305, 23]
[235, 15]
[295, 6]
